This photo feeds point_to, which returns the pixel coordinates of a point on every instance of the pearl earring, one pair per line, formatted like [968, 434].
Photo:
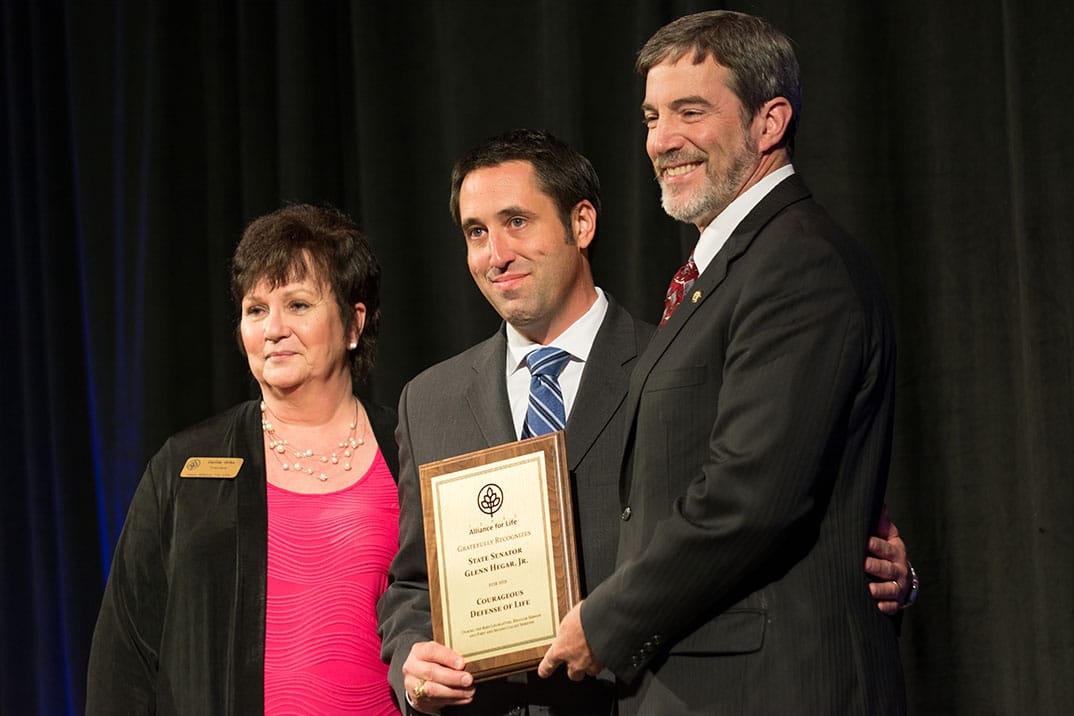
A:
[353, 345]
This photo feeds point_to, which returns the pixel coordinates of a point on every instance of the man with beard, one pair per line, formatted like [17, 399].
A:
[529, 208]
[759, 418]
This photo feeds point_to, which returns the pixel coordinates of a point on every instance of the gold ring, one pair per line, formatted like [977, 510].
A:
[419, 690]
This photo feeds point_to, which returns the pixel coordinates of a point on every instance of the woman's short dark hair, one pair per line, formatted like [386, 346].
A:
[296, 241]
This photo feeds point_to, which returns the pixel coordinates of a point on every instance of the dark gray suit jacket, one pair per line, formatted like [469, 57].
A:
[461, 405]
[759, 435]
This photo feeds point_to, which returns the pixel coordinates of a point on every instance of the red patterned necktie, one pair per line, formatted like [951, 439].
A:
[680, 284]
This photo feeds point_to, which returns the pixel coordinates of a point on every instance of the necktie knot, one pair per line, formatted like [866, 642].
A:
[680, 283]
[548, 360]
[545, 412]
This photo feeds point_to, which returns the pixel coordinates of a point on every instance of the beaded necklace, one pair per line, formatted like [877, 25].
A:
[283, 450]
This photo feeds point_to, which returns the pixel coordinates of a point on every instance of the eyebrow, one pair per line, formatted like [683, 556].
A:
[692, 100]
[509, 211]
[288, 293]
[505, 213]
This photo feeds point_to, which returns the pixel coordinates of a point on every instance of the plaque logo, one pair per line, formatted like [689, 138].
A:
[490, 499]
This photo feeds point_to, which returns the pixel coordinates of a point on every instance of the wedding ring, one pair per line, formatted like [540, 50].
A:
[419, 690]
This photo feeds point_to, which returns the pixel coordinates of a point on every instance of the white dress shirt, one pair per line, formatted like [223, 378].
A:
[719, 231]
[576, 340]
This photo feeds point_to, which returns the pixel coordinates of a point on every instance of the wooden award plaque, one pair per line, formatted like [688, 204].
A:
[500, 547]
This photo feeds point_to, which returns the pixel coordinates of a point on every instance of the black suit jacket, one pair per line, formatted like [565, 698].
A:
[181, 628]
[461, 405]
[759, 434]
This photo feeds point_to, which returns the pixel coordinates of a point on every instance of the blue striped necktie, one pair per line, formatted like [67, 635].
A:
[545, 413]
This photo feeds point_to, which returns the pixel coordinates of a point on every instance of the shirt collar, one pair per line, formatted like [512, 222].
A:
[576, 340]
[719, 230]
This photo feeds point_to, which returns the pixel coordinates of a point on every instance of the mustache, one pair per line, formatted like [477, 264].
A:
[676, 156]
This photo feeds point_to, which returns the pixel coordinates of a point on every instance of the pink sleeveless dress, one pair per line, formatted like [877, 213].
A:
[328, 558]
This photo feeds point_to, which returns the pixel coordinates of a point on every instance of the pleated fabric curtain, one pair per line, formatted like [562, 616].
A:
[139, 138]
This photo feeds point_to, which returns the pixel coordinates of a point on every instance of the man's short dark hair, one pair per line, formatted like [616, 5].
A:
[562, 173]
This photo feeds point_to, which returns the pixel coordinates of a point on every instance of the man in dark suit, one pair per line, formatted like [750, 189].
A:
[528, 206]
[759, 418]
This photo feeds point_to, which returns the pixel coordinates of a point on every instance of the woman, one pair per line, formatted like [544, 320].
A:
[257, 543]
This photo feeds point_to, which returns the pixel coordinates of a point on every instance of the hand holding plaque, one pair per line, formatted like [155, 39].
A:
[500, 548]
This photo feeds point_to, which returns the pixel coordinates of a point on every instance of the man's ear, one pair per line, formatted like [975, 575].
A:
[584, 223]
[774, 117]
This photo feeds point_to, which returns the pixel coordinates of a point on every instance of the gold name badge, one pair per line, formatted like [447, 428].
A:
[218, 467]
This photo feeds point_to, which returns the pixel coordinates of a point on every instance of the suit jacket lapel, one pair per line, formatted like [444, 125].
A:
[790, 190]
[487, 392]
[251, 559]
[602, 390]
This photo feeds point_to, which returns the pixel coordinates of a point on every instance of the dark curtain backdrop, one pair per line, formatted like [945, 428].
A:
[139, 138]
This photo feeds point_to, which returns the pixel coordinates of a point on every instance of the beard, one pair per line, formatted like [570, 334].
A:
[722, 186]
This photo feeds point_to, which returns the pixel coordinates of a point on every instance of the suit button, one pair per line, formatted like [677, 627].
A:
[626, 514]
